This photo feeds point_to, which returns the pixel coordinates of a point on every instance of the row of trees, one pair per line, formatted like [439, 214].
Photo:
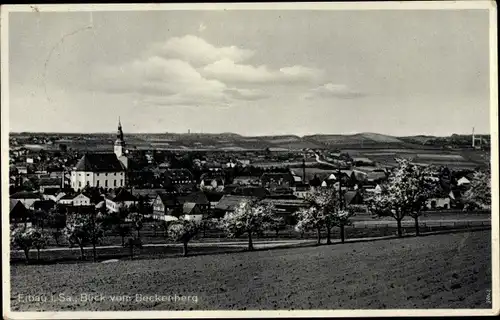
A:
[405, 193]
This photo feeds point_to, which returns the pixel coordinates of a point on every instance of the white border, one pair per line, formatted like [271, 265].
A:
[434, 5]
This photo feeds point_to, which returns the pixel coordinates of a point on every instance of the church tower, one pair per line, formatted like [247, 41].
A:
[119, 143]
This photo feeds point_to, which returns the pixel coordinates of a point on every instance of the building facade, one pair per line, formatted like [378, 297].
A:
[102, 170]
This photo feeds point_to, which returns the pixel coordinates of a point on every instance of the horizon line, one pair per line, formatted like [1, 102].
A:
[243, 135]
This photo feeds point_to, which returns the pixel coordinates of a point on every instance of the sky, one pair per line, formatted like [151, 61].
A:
[267, 72]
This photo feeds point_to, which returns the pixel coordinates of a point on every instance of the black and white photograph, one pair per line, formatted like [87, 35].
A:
[249, 160]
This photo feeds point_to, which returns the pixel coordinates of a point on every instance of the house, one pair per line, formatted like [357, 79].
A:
[216, 183]
[228, 203]
[51, 193]
[164, 206]
[27, 198]
[49, 183]
[286, 208]
[251, 191]
[22, 169]
[192, 211]
[44, 205]
[463, 181]
[81, 200]
[82, 209]
[362, 161]
[199, 198]
[246, 180]
[18, 213]
[98, 170]
[76, 199]
[376, 177]
[273, 180]
[175, 177]
[213, 197]
[66, 198]
[371, 188]
[147, 194]
[301, 191]
[121, 198]
[441, 202]
[353, 198]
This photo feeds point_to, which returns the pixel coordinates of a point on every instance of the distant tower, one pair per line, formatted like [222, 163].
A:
[304, 168]
[119, 143]
[473, 138]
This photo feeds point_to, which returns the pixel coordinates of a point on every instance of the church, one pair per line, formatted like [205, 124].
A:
[106, 170]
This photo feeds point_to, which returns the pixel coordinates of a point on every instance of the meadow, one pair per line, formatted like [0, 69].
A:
[435, 271]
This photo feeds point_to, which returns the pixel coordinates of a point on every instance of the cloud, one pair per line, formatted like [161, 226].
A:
[246, 94]
[168, 81]
[330, 90]
[190, 71]
[228, 71]
[198, 52]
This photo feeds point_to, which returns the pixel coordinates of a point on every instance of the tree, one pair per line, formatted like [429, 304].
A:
[23, 238]
[117, 222]
[137, 222]
[310, 218]
[40, 240]
[85, 229]
[326, 201]
[41, 216]
[479, 192]
[277, 224]
[405, 193]
[183, 231]
[249, 217]
[57, 220]
[341, 218]
[425, 188]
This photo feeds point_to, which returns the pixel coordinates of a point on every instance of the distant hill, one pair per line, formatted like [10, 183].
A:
[233, 141]
[364, 139]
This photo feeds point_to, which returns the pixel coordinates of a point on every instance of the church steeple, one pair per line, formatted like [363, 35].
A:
[119, 143]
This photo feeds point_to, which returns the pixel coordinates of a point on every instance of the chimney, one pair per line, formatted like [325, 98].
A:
[304, 170]
[473, 138]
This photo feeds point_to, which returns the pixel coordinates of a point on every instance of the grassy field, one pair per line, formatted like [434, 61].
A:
[438, 271]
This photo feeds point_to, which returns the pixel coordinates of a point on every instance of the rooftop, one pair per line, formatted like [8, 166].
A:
[99, 162]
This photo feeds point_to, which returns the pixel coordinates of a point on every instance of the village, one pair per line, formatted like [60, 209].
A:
[163, 187]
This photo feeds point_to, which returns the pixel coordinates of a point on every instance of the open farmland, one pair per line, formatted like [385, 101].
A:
[438, 271]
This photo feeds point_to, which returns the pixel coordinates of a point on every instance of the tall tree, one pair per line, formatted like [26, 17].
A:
[23, 238]
[183, 231]
[85, 229]
[310, 218]
[479, 193]
[405, 193]
[250, 218]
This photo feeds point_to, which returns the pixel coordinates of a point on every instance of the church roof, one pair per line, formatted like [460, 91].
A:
[99, 162]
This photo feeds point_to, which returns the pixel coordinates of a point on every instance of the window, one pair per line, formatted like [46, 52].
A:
[114, 183]
[98, 174]
[97, 184]
[88, 183]
[88, 174]
[115, 173]
[106, 174]
[79, 183]
[121, 183]
[79, 174]
[106, 183]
